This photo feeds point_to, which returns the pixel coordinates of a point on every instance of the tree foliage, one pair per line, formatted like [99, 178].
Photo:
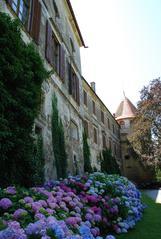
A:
[146, 136]
[58, 141]
[86, 154]
[21, 75]
[108, 163]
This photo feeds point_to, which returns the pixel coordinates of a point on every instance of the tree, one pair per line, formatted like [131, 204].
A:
[86, 154]
[21, 76]
[108, 162]
[146, 136]
[58, 141]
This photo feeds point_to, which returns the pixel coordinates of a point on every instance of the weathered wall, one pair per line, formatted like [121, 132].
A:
[94, 120]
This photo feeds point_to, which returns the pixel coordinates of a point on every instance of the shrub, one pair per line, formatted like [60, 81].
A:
[21, 75]
[58, 141]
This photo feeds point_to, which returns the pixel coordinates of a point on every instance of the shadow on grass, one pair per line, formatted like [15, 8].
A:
[150, 225]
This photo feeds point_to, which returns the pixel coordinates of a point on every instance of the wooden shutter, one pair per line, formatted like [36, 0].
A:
[62, 63]
[70, 78]
[34, 28]
[49, 42]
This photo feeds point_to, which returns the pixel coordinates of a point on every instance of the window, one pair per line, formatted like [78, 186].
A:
[72, 45]
[95, 135]
[113, 128]
[86, 127]
[55, 53]
[56, 9]
[73, 131]
[122, 124]
[21, 8]
[73, 84]
[103, 140]
[94, 107]
[85, 97]
[102, 116]
[108, 122]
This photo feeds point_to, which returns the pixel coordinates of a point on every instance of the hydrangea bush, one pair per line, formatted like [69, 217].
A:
[94, 206]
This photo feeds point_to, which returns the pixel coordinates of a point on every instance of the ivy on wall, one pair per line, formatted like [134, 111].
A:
[58, 141]
[86, 154]
[21, 76]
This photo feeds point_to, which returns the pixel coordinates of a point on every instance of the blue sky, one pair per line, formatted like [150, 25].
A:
[124, 39]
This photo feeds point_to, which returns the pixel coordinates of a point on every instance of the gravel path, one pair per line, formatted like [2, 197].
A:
[154, 194]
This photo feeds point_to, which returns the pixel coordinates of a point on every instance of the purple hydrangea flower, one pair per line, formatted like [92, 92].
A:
[5, 203]
[19, 213]
[11, 190]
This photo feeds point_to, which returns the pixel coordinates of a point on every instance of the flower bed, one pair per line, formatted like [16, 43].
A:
[86, 207]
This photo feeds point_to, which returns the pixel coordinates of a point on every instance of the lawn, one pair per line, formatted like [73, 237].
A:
[150, 226]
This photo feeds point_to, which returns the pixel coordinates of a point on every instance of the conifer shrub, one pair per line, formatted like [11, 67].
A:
[58, 141]
[21, 76]
[108, 162]
[86, 154]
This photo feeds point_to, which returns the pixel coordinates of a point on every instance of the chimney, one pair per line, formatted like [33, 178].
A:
[93, 86]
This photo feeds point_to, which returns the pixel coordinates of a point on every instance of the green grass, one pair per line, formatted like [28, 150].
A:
[150, 225]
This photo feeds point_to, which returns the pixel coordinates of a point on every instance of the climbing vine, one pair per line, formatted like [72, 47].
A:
[21, 76]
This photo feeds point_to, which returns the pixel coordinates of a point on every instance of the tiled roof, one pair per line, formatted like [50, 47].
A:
[125, 110]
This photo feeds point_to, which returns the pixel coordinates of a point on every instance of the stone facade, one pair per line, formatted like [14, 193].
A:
[53, 29]
[102, 129]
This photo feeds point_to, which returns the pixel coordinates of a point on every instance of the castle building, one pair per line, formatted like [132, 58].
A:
[131, 166]
[102, 129]
[52, 27]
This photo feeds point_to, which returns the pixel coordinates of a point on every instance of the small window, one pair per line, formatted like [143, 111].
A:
[102, 116]
[103, 140]
[113, 128]
[95, 135]
[108, 122]
[122, 124]
[56, 9]
[85, 97]
[94, 107]
[127, 157]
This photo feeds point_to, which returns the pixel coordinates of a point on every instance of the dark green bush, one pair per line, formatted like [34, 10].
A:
[21, 75]
[108, 163]
[86, 154]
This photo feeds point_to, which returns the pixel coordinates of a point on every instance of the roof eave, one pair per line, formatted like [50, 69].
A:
[76, 23]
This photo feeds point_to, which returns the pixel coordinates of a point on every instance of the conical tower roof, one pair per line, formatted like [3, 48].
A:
[125, 110]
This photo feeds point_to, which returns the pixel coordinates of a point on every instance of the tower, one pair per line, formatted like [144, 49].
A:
[131, 166]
